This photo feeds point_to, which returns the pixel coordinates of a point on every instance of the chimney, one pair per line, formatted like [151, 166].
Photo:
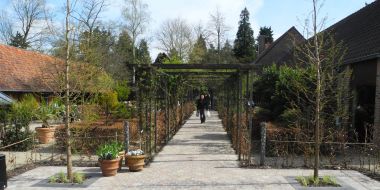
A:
[261, 40]
[263, 43]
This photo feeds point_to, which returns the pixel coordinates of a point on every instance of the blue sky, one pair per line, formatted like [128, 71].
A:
[279, 14]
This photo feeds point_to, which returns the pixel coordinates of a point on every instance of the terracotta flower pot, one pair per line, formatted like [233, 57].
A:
[135, 163]
[45, 135]
[121, 156]
[109, 167]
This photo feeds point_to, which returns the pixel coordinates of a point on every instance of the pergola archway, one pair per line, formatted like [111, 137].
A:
[160, 87]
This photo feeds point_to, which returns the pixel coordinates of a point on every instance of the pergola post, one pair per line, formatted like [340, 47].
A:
[239, 116]
[376, 132]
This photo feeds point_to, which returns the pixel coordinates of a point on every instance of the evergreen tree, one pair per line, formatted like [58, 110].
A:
[95, 47]
[143, 55]
[267, 32]
[19, 41]
[124, 48]
[212, 54]
[227, 54]
[173, 58]
[161, 57]
[244, 45]
[199, 51]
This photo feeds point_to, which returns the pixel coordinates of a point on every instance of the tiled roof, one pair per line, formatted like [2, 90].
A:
[360, 33]
[281, 49]
[27, 71]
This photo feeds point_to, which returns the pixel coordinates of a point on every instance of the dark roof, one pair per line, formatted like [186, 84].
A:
[27, 71]
[360, 33]
[279, 51]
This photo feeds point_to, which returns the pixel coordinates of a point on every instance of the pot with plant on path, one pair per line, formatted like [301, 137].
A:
[135, 160]
[46, 112]
[108, 159]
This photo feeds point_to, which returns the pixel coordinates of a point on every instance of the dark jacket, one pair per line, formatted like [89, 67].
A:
[201, 104]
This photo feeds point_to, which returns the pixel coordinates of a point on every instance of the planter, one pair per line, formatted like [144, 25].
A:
[121, 156]
[135, 163]
[45, 135]
[109, 167]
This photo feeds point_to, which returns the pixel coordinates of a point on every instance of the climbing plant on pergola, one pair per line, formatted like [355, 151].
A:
[165, 88]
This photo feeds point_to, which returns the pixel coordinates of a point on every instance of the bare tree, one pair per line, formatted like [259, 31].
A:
[89, 14]
[29, 13]
[6, 29]
[137, 16]
[67, 93]
[218, 29]
[176, 35]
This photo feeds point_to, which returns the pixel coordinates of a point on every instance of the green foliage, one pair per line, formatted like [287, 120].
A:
[161, 57]
[244, 45]
[23, 112]
[14, 136]
[19, 41]
[61, 177]
[123, 111]
[310, 181]
[124, 48]
[79, 177]
[122, 90]
[108, 151]
[95, 45]
[227, 55]
[46, 111]
[173, 58]
[90, 113]
[199, 51]
[290, 116]
[268, 32]
[142, 53]
[108, 101]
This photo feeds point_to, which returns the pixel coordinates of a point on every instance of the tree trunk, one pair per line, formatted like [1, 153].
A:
[67, 94]
[318, 96]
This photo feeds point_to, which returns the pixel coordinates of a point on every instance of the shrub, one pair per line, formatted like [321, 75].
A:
[122, 90]
[89, 113]
[12, 136]
[86, 137]
[20, 116]
[122, 111]
[290, 116]
[262, 114]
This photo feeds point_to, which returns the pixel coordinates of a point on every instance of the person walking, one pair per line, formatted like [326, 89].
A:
[201, 106]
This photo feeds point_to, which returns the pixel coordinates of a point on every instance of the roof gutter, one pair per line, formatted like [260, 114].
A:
[363, 58]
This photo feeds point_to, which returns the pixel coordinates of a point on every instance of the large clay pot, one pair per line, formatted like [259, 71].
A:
[121, 156]
[135, 163]
[45, 135]
[109, 167]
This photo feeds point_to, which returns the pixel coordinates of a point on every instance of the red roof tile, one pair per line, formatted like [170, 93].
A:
[27, 71]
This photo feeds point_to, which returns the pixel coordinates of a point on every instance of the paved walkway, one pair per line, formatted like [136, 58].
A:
[198, 157]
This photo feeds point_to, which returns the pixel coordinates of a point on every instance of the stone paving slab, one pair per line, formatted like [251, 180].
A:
[198, 157]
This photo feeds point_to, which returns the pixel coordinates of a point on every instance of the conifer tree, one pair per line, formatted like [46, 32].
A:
[244, 45]
[199, 51]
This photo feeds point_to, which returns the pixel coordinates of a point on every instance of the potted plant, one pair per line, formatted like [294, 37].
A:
[120, 147]
[135, 160]
[108, 159]
[46, 112]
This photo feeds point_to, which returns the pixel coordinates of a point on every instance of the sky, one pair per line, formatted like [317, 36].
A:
[278, 14]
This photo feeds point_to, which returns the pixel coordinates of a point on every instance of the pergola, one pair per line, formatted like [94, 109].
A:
[233, 90]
